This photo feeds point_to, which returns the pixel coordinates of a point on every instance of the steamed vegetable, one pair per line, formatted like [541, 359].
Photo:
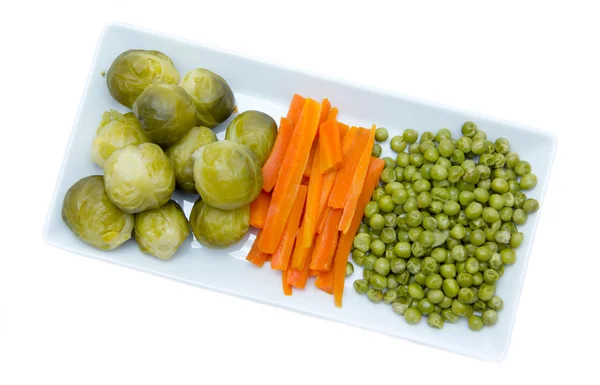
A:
[116, 131]
[256, 130]
[139, 178]
[91, 216]
[134, 70]
[219, 228]
[161, 231]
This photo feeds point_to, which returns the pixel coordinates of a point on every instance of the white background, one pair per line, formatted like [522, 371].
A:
[74, 320]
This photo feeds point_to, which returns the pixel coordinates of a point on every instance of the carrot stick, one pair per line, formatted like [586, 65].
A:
[288, 183]
[273, 164]
[343, 128]
[313, 273]
[295, 110]
[345, 243]
[301, 253]
[308, 168]
[325, 108]
[325, 282]
[345, 174]
[330, 146]
[281, 257]
[259, 209]
[298, 277]
[332, 114]
[357, 184]
[255, 255]
[326, 243]
[287, 288]
[323, 219]
[315, 185]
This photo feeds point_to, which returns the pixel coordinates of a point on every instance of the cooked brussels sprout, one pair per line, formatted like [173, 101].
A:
[166, 113]
[116, 130]
[181, 153]
[211, 94]
[134, 70]
[219, 228]
[161, 231]
[139, 177]
[256, 130]
[227, 174]
[93, 217]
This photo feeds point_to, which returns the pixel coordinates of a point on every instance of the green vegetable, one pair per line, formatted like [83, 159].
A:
[461, 309]
[390, 296]
[361, 286]
[382, 266]
[495, 303]
[400, 305]
[410, 135]
[160, 232]
[412, 316]
[469, 129]
[375, 296]
[91, 216]
[489, 317]
[425, 306]
[227, 175]
[475, 323]
[450, 316]
[219, 228]
[212, 97]
[349, 269]
[381, 134]
[116, 131]
[256, 130]
[376, 151]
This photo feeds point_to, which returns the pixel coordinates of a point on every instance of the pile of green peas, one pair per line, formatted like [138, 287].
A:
[442, 225]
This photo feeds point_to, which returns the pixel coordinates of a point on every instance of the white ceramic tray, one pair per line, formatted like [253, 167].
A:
[269, 88]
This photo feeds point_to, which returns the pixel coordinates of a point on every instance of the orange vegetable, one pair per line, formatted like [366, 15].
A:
[325, 108]
[301, 253]
[255, 255]
[287, 288]
[308, 168]
[323, 219]
[273, 164]
[345, 243]
[326, 243]
[295, 110]
[259, 209]
[343, 180]
[330, 146]
[325, 282]
[315, 185]
[288, 183]
[343, 129]
[332, 114]
[357, 184]
[298, 277]
[313, 273]
[281, 257]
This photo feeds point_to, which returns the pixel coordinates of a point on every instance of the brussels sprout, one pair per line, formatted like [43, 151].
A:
[181, 155]
[134, 70]
[166, 113]
[216, 227]
[116, 131]
[161, 231]
[227, 175]
[93, 217]
[211, 94]
[256, 130]
[139, 177]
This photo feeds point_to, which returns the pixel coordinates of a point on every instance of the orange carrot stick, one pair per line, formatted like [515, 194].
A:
[313, 273]
[308, 168]
[255, 255]
[281, 257]
[325, 108]
[315, 185]
[289, 180]
[330, 146]
[323, 219]
[345, 243]
[301, 253]
[298, 277]
[259, 209]
[273, 164]
[345, 174]
[325, 282]
[295, 110]
[287, 288]
[326, 243]
[343, 128]
[357, 184]
[332, 114]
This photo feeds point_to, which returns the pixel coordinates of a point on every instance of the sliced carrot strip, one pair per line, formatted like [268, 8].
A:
[345, 174]
[323, 219]
[288, 183]
[345, 243]
[315, 185]
[308, 168]
[343, 129]
[287, 288]
[273, 164]
[313, 273]
[325, 108]
[259, 209]
[357, 184]
[298, 278]
[281, 257]
[325, 282]
[332, 114]
[295, 110]
[255, 255]
[326, 243]
[330, 146]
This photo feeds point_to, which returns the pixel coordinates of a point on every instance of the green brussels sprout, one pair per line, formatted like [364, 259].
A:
[134, 70]
[219, 228]
[227, 175]
[211, 94]
[139, 177]
[116, 130]
[166, 113]
[256, 130]
[181, 153]
[91, 216]
[160, 232]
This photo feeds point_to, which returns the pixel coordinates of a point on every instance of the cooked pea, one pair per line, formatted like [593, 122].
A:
[425, 144]
[490, 214]
[516, 239]
[455, 173]
[462, 309]
[425, 306]
[410, 135]
[431, 154]
[519, 216]
[522, 167]
[439, 254]
[412, 316]
[528, 181]
[362, 242]
[444, 162]
[495, 303]
[376, 152]
[428, 266]
[375, 296]
[450, 287]
[377, 193]
[369, 262]
[469, 129]
[475, 323]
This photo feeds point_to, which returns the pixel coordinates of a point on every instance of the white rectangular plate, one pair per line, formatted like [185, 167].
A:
[269, 88]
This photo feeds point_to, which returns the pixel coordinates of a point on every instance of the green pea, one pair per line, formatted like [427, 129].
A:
[361, 286]
[378, 282]
[377, 247]
[480, 135]
[438, 173]
[530, 205]
[445, 303]
[362, 242]
[382, 266]
[444, 162]
[508, 256]
[457, 157]
[413, 265]
[410, 135]
[400, 305]
[371, 209]
[466, 295]
[495, 303]
[483, 253]
[415, 291]
[416, 160]
[425, 144]
[375, 296]
[528, 181]
[464, 144]
[414, 149]
[522, 167]
[425, 306]
[450, 287]
[389, 296]
[434, 281]
[398, 143]
[490, 214]
[445, 147]
[381, 134]
[459, 253]
[454, 174]
[475, 323]
[458, 232]
[389, 162]
[451, 207]
[516, 239]
[486, 160]
[402, 159]
[412, 316]
[369, 262]
[377, 193]
[431, 154]
[519, 216]
[461, 309]
[469, 129]
[486, 291]
[376, 151]
[479, 146]
[448, 270]
[490, 276]
[439, 254]
[449, 316]
[377, 222]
